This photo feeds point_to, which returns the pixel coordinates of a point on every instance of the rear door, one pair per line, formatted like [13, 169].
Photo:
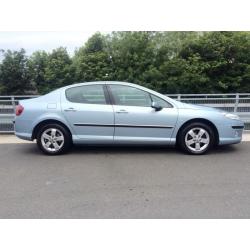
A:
[136, 121]
[88, 110]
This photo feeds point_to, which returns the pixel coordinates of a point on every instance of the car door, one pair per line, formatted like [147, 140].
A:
[88, 110]
[136, 121]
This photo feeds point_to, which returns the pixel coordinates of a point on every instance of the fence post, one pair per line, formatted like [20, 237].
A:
[179, 97]
[236, 103]
[13, 104]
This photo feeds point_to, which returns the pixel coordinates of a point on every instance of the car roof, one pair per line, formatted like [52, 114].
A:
[101, 82]
[121, 83]
[111, 82]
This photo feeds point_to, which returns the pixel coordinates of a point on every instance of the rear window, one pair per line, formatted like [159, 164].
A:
[91, 94]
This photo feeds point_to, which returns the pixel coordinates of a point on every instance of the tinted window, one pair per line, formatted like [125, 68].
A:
[161, 102]
[130, 96]
[92, 94]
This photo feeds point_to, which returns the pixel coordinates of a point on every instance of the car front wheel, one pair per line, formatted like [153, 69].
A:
[53, 139]
[196, 138]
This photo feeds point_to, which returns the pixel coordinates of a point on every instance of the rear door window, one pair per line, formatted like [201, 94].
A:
[89, 94]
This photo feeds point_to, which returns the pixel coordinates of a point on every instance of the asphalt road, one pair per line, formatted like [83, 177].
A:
[106, 182]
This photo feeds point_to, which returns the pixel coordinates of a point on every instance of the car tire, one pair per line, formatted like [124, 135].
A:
[196, 138]
[54, 139]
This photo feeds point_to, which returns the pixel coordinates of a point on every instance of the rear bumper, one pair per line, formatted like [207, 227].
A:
[24, 136]
[22, 128]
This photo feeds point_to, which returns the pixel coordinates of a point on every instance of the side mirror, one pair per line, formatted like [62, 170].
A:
[156, 106]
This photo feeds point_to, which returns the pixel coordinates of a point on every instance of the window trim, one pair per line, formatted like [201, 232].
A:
[105, 91]
[112, 99]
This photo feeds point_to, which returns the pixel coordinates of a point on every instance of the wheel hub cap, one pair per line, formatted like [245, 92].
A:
[197, 139]
[52, 139]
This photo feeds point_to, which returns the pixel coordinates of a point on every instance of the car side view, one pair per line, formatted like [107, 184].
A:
[121, 113]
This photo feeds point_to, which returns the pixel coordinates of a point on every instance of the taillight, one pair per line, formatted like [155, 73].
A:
[19, 109]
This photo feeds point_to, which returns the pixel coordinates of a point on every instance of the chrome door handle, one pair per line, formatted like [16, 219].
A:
[70, 109]
[122, 111]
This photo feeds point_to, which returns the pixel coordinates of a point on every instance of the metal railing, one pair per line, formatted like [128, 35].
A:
[235, 103]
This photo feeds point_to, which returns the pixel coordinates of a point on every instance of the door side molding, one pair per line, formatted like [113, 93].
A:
[122, 125]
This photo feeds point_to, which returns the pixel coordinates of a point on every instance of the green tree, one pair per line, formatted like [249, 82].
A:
[2, 89]
[226, 56]
[92, 61]
[132, 56]
[14, 73]
[37, 65]
[170, 62]
[58, 71]
[184, 76]
[167, 66]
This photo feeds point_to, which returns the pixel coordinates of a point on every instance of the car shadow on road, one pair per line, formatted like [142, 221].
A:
[226, 149]
[118, 149]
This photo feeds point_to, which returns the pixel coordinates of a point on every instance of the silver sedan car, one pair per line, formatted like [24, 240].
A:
[121, 113]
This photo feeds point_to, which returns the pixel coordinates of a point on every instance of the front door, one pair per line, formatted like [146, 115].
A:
[136, 121]
[89, 112]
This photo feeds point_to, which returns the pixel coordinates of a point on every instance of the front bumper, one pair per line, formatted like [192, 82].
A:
[231, 133]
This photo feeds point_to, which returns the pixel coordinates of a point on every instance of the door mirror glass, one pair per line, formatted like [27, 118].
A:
[156, 106]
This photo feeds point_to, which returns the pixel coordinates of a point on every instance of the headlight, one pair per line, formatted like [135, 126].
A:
[231, 116]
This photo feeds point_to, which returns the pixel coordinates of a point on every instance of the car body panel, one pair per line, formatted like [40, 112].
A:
[140, 125]
[37, 110]
[91, 123]
[144, 124]
[227, 134]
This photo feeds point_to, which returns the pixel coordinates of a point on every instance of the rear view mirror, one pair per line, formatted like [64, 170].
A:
[156, 106]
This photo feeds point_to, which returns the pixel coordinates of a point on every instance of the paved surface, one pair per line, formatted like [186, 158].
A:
[10, 138]
[124, 183]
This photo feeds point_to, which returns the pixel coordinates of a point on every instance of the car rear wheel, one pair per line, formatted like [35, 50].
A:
[196, 138]
[53, 139]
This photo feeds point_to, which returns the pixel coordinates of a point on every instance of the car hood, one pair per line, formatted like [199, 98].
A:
[196, 107]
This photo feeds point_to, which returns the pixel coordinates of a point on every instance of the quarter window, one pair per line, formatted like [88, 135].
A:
[130, 96]
[161, 102]
[91, 94]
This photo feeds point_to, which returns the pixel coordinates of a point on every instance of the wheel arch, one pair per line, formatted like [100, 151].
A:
[48, 121]
[201, 120]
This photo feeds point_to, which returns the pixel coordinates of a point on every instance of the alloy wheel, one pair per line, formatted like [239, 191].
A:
[52, 139]
[197, 139]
